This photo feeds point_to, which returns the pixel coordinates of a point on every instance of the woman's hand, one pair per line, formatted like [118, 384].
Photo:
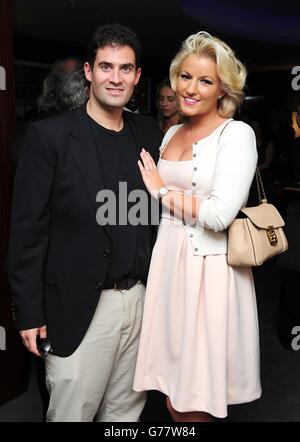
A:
[180, 205]
[151, 178]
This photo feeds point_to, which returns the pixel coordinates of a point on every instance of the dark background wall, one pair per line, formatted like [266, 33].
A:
[265, 34]
[13, 363]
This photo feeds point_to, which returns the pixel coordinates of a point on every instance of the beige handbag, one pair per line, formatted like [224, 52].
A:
[256, 235]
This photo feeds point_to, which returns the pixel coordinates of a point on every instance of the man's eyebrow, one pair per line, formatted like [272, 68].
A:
[127, 65]
[104, 62]
[111, 64]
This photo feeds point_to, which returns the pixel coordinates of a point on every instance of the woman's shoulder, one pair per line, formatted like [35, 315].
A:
[170, 132]
[239, 127]
[238, 138]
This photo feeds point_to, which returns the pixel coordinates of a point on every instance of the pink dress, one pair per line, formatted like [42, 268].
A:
[199, 343]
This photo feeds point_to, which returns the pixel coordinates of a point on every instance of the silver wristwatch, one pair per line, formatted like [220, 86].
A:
[162, 192]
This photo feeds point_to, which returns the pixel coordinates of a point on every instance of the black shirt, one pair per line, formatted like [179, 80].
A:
[131, 244]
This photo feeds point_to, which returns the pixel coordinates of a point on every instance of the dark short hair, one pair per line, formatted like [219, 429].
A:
[116, 35]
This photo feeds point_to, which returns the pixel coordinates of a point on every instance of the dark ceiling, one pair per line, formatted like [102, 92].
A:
[48, 29]
[266, 20]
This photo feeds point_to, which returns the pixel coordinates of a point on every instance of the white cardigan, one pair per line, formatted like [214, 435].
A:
[224, 164]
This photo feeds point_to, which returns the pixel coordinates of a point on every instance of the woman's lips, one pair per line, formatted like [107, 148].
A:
[190, 101]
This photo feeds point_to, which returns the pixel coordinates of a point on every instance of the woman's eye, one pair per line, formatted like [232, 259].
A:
[205, 81]
[184, 76]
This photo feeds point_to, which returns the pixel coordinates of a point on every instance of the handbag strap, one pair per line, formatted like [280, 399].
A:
[228, 122]
[259, 183]
[260, 187]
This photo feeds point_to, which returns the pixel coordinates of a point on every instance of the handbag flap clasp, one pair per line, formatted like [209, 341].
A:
[264, 216]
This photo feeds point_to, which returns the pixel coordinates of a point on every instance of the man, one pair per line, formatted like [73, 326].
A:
[62, 260]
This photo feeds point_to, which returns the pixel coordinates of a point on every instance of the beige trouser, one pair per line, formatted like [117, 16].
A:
[95, 382]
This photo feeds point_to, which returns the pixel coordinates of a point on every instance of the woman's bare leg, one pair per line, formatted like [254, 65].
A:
[192, 416]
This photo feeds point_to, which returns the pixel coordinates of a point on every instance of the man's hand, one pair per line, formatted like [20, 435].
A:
[29, 338]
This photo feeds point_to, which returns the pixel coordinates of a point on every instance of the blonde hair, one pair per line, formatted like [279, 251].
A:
[230, 70]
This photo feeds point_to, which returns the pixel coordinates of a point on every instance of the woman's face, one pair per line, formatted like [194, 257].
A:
[198, 86]
[167, 102]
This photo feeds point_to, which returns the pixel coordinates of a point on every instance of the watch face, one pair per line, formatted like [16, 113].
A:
[163, 191]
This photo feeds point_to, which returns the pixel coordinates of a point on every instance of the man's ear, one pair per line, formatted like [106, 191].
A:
[88, 71]
[137, 76]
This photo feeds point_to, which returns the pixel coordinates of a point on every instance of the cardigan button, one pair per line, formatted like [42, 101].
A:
[193, 184]
[194, 155]
[191, 235]
[196, 250]
[195, 168]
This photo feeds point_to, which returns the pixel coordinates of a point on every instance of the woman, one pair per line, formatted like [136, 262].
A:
[168, 110]
[200, 342]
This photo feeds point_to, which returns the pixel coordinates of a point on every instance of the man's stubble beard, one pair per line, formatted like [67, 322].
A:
[112, 103]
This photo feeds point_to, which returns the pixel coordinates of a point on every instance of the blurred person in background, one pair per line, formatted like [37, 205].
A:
[64, 89]
[167, 106]
[289, 302]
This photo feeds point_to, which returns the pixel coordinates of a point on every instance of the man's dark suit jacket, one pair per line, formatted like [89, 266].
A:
[59, 256]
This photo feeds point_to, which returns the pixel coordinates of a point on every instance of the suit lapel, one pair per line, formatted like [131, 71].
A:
[139, 135]
[134, 131]
[138, 141]
[83, 148]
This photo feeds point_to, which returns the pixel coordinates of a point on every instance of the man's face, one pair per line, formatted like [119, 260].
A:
[113, 76]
